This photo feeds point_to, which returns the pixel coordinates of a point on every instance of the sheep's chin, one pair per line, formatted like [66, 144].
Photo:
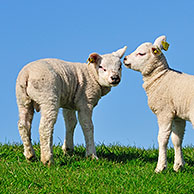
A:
[114, 84]
[109, 84]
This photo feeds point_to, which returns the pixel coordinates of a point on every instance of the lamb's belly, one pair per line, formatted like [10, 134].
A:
[184, 116]
[68, 94]
[183, 113]
[69, 106]
[68, 103]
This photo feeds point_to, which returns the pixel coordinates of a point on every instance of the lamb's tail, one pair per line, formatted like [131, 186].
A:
[21, 89]
[23, 99]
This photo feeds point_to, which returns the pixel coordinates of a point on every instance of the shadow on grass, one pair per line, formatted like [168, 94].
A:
[122, 154]
[125, 154]
[116, 153]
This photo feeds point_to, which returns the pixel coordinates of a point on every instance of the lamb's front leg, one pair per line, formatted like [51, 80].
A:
[85, 119]
[70, 124]
[178, 129]
[163, 137]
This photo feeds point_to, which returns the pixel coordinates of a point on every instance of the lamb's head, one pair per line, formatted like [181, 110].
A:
[108, 67]
[148, 56]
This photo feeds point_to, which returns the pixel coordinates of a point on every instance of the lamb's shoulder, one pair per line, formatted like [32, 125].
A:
[180, 84]
[174, 90]
[159, 91]
[89, 91]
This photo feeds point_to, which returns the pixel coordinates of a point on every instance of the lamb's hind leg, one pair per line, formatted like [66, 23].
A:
[47, 121]
[24, 125]
[178, 128]
[70, 124]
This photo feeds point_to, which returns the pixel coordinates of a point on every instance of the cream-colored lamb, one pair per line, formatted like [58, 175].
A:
[170, 96]
[50, 84]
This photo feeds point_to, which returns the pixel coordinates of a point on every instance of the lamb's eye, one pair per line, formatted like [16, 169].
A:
[141, 54]
[102, 68]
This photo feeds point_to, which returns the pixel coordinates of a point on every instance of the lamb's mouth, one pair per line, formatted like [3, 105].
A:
[115, 83]
[128, 65]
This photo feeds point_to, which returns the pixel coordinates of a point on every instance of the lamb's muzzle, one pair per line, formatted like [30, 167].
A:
[128, 65]
[115, 79]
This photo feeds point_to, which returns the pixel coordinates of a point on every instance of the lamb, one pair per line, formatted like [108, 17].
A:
[49, 84]
[170, 96]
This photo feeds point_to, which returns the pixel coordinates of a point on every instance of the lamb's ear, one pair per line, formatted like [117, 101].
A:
[161, 43]
[156, 50]
[93, 58]
[119, 53]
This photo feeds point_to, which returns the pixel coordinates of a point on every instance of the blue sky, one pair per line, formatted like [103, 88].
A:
[71, 30]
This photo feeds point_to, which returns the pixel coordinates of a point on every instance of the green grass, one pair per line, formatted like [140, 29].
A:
[119, 170]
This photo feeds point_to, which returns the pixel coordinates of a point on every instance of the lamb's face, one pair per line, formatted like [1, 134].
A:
[142, 56]
[108, 67]
[109, 70]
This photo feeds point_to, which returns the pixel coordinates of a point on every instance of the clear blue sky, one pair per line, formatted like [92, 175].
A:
[71, 30]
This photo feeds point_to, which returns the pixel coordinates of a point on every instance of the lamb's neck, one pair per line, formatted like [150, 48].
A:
[105, 90]
[153, 79]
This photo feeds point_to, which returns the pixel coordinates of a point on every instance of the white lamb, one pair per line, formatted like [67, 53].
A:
[170, 96]
[49, 84]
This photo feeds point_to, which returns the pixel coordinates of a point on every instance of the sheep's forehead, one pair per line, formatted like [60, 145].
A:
[110, 60]
[144, 47]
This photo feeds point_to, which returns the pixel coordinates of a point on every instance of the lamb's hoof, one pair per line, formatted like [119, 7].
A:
[160, 169]
[47, 162]
[31, 159]
[178, 167]
[92, 156]
[30, 156]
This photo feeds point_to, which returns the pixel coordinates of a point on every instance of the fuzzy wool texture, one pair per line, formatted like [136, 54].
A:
[49, 84]
[170, 96]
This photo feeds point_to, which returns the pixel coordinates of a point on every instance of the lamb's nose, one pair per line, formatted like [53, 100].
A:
[125, 58]
[115, 79]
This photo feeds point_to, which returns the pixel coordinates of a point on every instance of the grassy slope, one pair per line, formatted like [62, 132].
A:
[118, 170]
